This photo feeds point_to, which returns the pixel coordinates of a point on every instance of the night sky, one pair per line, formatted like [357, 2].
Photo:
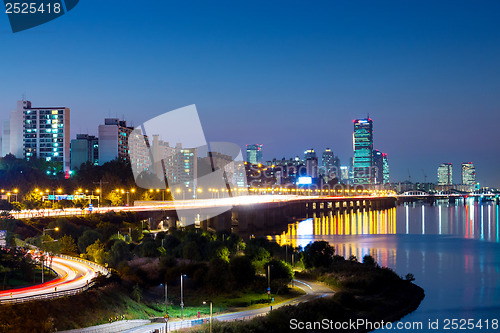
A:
[291, 75]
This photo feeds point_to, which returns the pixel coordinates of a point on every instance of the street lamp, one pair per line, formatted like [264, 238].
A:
[269, 285]
[182, 296]
[43, 259]
[166, 307]
[210, 314]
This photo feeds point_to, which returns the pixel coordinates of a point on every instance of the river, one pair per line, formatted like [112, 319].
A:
[453, 250]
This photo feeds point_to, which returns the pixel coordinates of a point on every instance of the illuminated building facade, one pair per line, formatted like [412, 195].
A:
[311, 161]
[468, 173]
[385, 169]
[46, 134]
[363, 151]
[445, 174]
[254, 154]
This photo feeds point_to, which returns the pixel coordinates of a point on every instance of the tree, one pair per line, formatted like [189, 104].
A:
[67, 245]
[89, 237]
[281, 274]
[368, 260]
[318, 254]
[222, 253]
[119, 252]
[190, 251]
[97, 252]
[115, 198]
[242, 270]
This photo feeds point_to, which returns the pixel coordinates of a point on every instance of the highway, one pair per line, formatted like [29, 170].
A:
[71, 275]
[313, 290]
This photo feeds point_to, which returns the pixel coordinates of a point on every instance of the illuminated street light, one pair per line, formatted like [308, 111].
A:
[205, 302]
[42, 258]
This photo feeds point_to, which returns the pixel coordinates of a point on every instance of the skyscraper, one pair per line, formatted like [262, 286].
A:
[468, 173]
[363, 151]
[378, 167]
[254, 154]
[328, 161]
[385, 168]
[113, 140]
[311, 161]
[445, 174]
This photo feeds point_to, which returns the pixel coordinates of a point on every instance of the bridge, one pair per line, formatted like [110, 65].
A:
[242, 214]
[449, 194]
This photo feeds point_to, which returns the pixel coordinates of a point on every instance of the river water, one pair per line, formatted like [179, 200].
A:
[453, 250]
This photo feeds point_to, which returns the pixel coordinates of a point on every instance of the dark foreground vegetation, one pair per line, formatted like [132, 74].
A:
[214, 266]
[364, 291]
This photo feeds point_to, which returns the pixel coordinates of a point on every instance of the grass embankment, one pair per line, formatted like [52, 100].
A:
[363, 292]
[114, 302]
[17, 280]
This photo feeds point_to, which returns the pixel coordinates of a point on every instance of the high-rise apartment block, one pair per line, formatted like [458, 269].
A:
[84, 149]
[113, 140]
[38, 132]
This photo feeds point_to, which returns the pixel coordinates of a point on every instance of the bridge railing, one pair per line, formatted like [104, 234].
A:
[58, 294]
[51, 295]
[101, 269]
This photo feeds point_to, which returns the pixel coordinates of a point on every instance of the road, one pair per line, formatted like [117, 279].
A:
[313, 290]
[71, 275]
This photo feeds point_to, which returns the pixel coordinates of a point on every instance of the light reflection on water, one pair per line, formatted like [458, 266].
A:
[452, 249]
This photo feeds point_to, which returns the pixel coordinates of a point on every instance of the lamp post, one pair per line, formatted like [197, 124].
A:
[43, 258]
[269, 285]
[210, 314]
[182, 297]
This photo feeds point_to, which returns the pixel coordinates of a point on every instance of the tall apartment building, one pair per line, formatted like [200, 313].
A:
[113, 140]
[38, 132]
[84, 149]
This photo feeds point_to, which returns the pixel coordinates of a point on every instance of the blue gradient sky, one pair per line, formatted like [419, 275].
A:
[288, 74]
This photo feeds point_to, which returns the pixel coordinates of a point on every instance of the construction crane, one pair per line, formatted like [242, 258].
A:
[425, 176]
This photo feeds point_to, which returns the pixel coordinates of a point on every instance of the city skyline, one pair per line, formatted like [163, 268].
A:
[420, 70]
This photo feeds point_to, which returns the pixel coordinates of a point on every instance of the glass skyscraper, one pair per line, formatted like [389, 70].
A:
[254, 154]
[363, 151]
[385, 166]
